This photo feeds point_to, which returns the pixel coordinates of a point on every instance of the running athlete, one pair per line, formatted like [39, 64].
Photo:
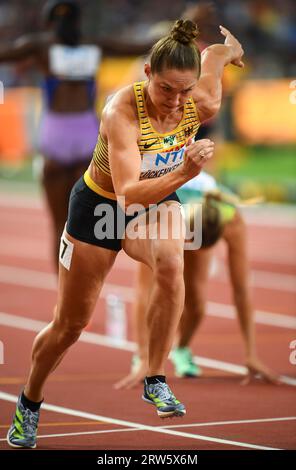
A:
[221, 219]
[69, 125]
[144, 154]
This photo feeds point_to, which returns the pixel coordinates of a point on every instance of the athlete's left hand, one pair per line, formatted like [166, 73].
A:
[134, 378]
[257, 370]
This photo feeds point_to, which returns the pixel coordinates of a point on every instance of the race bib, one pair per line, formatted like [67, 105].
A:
[162, 160]
[66, 252]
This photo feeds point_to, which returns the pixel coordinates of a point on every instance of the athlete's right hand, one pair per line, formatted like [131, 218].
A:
[235, 47]
[196, 155]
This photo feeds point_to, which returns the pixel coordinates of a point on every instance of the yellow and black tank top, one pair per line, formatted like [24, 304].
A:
[160, 153]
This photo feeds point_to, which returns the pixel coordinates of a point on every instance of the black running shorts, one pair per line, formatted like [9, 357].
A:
[91, 215]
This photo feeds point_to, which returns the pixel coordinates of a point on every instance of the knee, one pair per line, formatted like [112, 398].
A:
[168, 270]
[68, 332]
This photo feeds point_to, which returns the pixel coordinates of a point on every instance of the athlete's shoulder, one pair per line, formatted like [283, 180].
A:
[120, 105]
[119, 118]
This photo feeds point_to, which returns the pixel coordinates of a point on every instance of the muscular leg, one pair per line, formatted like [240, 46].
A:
[196, 269]
[143, 290]
[144, 286]
[78, 291]
[165, 258]
[58, 181]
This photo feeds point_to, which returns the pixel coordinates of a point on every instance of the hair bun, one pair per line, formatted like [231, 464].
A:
[184, 31]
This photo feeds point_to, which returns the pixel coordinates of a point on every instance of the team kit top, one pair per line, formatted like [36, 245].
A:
[160, 153]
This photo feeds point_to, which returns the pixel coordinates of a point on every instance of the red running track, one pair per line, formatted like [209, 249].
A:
[84, 411]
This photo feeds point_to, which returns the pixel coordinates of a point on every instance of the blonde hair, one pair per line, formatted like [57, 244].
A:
[177, 50]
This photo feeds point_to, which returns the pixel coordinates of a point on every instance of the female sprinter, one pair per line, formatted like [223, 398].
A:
[141, 158]
[220, 219]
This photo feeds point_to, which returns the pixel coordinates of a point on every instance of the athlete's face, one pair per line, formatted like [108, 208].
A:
[170, 89]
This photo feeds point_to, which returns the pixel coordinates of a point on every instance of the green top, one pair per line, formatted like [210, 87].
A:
[226, 209]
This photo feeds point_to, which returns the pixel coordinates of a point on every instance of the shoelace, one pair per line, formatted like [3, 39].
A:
[163, 391]
[188, 356]
[30, 421]
[191, 361]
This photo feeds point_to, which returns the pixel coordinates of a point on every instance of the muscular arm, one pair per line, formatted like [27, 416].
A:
[125, 163]
[120, 127]
[208, 93]
[22, 48]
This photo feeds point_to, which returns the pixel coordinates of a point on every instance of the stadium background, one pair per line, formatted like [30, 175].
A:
[255, 138]
[255, 133]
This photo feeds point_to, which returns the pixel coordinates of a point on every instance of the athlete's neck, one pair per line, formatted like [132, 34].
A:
[158, 115]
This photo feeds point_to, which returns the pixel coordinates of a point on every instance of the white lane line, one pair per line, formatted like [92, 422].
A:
[270, 215]
[25, 201]
[224, 423]
[262, 317]
[263, 279]
[30, 324]
[48, 281]
[267, 215]
[38, 250]
[82, 414]
[83, 433]
[174, 426]
[273, 281]
[26, 248]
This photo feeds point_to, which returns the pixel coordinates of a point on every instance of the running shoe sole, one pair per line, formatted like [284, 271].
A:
[15, 446]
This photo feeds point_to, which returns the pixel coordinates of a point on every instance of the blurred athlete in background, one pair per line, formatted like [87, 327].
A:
[220, 220]
[69, 125]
